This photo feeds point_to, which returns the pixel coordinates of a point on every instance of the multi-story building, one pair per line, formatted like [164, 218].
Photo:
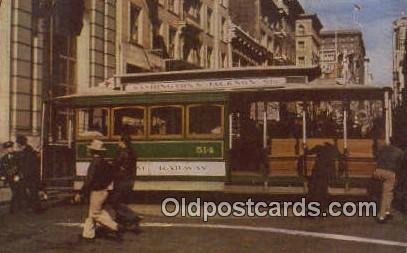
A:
[400, 57]
[59, 47]
[170, 35]
[289, 10]
[307, 40]
[343, 56]
[252, 34]
[270, 23]
[51, 48]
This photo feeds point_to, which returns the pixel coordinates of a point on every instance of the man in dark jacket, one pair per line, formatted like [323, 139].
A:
[125, 169]
[323, 172]
[100, 176]
[10, 173]
[28, 165]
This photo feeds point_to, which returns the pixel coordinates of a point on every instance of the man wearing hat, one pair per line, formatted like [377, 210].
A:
[29, 166]
[99, 177]
[9, 172]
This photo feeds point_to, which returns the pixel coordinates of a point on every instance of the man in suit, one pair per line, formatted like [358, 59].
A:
[125, 169]
[28, 165]
[10, 173]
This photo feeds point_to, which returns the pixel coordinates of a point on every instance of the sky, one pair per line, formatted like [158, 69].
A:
[375, 19]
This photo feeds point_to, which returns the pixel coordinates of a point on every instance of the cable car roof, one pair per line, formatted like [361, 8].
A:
[281, 82]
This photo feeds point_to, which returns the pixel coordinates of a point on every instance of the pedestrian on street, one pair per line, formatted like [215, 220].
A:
[10, 173]
[28, 165]
[99, 178]
[389, 160]
[323, 172]
[125, 168]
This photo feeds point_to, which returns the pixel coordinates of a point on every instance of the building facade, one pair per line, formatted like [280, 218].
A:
[308, 42]
[271, 23]
[399, 57]
[20, 71]
[167, 35]
[60, 47]
[343, 56]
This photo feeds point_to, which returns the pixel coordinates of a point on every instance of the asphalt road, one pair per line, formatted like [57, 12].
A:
[57, 230]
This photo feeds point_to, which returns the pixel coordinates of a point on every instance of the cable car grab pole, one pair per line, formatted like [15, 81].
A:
[387, 117]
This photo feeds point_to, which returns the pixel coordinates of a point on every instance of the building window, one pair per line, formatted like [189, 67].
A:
[301, 44]
[223, 29]
[301, 30]
[192, 52]
[202, 56]
[166, 121]
[263, 38]
[65, 60]
[205, 120]
[301, 60]
[224, 61]
[277, 49]
[135, 17]
[193, 8]
[65, 77]
[93, 122]
[173, 6]
[158, 39]
[129, 121]
[171, 42]
[209, 55]
[131, 68]
[209, 21]
[270, 43]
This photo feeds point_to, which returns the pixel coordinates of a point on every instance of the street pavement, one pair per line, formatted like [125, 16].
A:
[58, 228]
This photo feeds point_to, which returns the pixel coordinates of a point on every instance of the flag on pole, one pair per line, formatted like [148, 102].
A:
[357, 7]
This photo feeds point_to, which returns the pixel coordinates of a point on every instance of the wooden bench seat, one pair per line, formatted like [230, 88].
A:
[283, 158]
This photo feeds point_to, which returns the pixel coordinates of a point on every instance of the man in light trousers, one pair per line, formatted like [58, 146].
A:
[98, 180]
[389, 160]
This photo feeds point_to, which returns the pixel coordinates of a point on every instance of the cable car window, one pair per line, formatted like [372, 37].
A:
[325, 119]
[130, 121]
[366, 120]
[93, 122]
[205, 120]
[284, 119]
[166, 121]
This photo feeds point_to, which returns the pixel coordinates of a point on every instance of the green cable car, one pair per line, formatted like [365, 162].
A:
[209, 129]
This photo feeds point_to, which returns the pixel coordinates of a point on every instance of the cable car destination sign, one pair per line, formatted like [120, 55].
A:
[203, 85]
